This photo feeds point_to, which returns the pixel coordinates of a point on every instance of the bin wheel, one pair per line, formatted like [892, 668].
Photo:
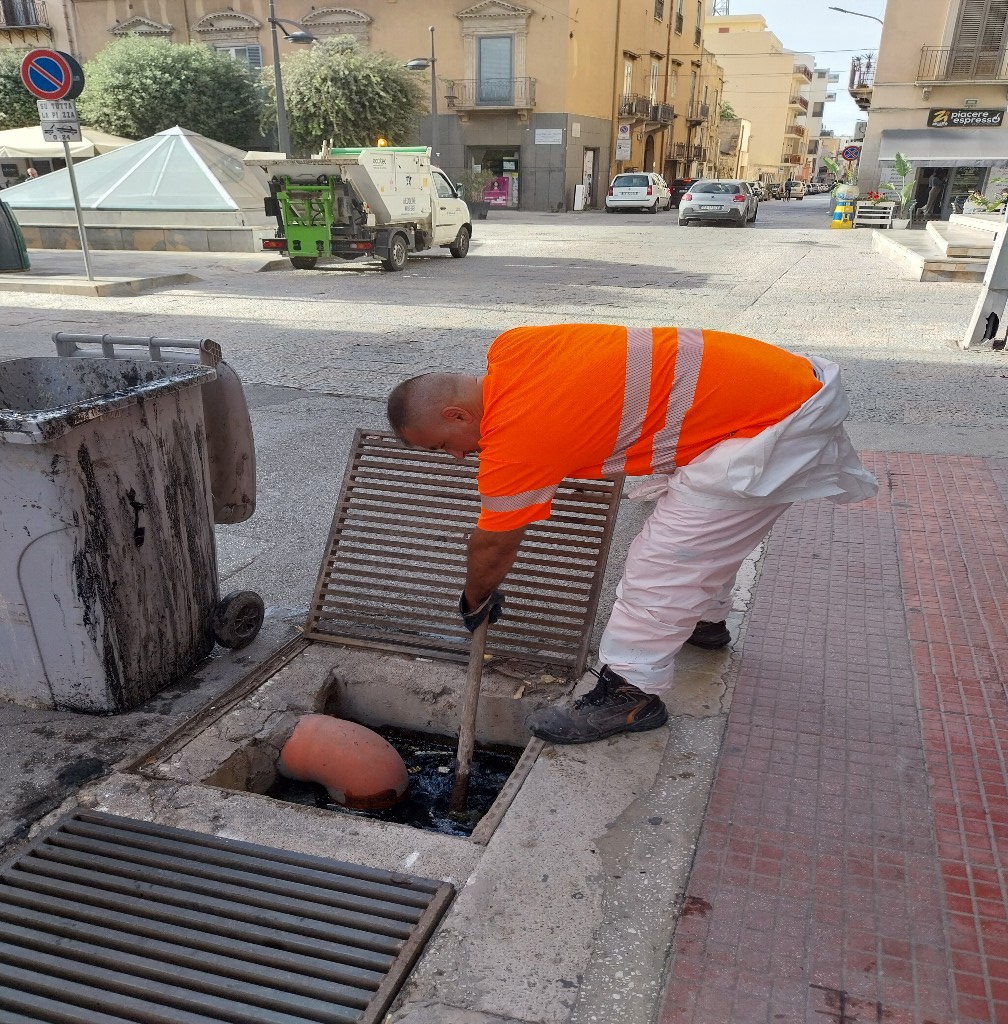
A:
[304, 262]
[238, 618]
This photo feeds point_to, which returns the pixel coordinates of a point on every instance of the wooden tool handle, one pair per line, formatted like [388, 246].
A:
[467, 729]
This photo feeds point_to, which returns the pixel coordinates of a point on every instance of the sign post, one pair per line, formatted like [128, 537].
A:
[56, 79]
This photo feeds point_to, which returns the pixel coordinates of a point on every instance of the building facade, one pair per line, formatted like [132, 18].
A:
[544, 98]
[821, 92]
[937, 94]
[769, 86]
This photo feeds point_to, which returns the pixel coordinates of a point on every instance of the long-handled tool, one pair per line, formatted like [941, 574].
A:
[467, 729]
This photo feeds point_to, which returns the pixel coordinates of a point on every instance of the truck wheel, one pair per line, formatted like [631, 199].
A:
[304, 262]
[237, 619]
[460, 247]
[396, 258]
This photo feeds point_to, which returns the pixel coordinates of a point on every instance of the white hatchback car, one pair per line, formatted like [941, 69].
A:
[638, 190]
[719, 199]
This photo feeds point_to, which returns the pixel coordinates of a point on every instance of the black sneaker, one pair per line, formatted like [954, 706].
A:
[612, 707]
[710, 635]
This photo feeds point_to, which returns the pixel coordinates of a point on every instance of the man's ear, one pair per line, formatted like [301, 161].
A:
[456, 414]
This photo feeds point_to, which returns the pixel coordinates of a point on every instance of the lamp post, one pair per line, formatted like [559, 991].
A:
[299, 35]
[421, 64]
[857, 14]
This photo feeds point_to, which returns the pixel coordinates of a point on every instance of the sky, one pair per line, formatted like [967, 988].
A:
[809, 26]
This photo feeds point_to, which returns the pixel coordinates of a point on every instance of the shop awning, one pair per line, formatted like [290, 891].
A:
[946, 147]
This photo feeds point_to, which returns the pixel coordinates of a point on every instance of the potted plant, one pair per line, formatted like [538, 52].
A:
[844, 186]
[903, 169]
[472, 185]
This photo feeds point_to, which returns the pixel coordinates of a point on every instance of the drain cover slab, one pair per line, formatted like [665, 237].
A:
[107, 920]
[395, 560]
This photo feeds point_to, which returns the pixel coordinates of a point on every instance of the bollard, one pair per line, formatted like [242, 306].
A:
[843, 214]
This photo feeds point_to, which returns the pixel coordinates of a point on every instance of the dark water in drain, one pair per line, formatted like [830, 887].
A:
[430, 761]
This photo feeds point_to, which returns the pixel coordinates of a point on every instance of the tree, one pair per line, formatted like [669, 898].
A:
[17, 105]
[138, 87]
[726, 112]
[335, 92]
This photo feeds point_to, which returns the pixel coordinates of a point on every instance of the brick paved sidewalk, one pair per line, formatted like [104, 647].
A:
[852, 863]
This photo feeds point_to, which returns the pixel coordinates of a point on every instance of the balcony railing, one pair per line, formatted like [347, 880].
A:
[698, 112]
[699, 154]
[803, 71]
[640, 107]
[791, 158]
[680, 151]
[954, 64]
[663, 113]
[477, 93]
[799, 101]
[795, 129]
[23, 14]
[862, 75]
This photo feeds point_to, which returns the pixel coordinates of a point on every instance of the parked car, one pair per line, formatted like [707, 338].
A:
[719, 199]
[774, 190]
[638, 190]
[798, 189]
[679, 188]
[759, 190]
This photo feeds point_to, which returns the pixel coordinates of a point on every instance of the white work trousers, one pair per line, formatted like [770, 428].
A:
[680, 570]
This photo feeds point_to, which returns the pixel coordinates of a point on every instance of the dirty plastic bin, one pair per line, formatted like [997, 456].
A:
[108, 568]
[13, 251]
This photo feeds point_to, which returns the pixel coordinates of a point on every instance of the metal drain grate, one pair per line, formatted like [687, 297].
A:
[106, 920]
[395, 561]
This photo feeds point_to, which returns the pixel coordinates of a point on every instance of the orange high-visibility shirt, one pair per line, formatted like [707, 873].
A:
[591, 400]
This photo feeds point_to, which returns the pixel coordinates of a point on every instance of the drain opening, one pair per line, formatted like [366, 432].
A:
[430, 762]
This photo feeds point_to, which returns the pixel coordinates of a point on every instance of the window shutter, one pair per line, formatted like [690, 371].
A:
[979, 40]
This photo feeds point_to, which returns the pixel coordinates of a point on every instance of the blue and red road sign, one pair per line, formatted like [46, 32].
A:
[52, 75]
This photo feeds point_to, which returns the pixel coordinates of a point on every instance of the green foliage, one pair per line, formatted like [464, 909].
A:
[726, 112]
[902, 169]
[17, 105]
[844, 175]
[473, 183]
[138, 87]
[334, 92]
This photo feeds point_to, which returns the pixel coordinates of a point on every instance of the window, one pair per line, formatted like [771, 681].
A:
[979, 44]
[494, 71]
[627, 78]
[655, 78]
[251, 55]
[444, 187]
[659, 9]
[679, 16]
[817, 109]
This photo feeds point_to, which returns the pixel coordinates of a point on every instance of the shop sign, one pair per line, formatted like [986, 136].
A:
[962, 117]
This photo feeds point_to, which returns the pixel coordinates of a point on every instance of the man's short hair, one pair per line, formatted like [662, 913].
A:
[418, 398]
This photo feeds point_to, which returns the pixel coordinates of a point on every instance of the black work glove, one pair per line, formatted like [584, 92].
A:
[492, 608]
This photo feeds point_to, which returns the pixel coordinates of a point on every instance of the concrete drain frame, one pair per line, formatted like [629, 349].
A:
[233, 745]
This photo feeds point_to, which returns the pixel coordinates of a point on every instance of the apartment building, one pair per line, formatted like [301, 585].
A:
[769, 86]
[821, 92]
[937, 93]
[544, 97]
[27, 24]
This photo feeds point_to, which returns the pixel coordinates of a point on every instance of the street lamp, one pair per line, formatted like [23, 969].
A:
[299, 35]
[421, 64]
[857, 14]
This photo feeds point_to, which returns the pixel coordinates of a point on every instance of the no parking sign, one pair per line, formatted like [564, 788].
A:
[52, 75]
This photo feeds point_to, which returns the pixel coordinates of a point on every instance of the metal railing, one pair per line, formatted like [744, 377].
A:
[799, 101]
[472, 93]
[791, 158]
[862, 72]
[947, 64]
[23, 14]
[680, 151]
[803, 71]
[698, 112]
[795, 129]
[664, 113]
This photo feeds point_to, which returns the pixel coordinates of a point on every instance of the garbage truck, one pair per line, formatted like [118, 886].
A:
[381, 202]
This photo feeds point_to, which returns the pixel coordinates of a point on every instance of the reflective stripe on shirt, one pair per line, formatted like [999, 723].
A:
[514, 502]
[636, 392]
[689, 353]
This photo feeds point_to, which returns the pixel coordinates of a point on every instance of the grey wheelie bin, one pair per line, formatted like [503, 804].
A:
[108, 567]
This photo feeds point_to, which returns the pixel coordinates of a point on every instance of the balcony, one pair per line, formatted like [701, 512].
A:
[491, 94]
[23, 14]
[802, 71]
[862, 76]
[639, 107]
[662, 113]
[948, 64]
[680, 151]
[795, 129]
[799, 101]
[699, 154]
[697, 113]
[791, 158]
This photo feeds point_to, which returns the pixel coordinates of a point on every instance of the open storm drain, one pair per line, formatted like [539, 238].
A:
[107, 919]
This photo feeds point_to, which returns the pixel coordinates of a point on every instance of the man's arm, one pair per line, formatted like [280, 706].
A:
[491, 555]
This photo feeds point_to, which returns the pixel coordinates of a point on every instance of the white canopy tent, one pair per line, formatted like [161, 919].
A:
[30, 144]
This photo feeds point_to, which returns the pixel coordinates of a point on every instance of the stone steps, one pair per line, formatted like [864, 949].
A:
[954, 250]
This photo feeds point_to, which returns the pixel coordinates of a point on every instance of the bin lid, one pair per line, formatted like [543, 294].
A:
[44, 397]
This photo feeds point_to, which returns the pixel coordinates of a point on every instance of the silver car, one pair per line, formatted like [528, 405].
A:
[719, 199]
